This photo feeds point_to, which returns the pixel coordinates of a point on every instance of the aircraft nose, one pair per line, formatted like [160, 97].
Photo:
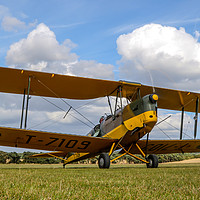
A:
[153, 98]
[150, 120]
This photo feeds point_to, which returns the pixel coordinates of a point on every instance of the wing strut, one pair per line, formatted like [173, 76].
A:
[146, 147]
[27, 101]
[196, 118]
[110, 106]
[119, 95]
[130, 154]
[181, 130]
[22, 114]
[23, 104]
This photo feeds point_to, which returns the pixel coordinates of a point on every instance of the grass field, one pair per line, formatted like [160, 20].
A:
[169, 181]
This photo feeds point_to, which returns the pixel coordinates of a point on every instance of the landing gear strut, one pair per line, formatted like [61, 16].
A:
[64, 165]
[153, 161]
[104, 161]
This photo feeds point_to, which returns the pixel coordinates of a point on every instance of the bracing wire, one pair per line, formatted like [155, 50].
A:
[162, 120]
[52, 104]
[44, 122]
[190, 123]
[88, 103]
[65, 102]
[175, 128]
[164, 132]
[79, 107]
[59, 115]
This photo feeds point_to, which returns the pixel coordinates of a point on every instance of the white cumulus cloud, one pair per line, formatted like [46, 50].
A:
[41, 51]
[171, 55]
[3, 11]
[13, 24]
[92, 69]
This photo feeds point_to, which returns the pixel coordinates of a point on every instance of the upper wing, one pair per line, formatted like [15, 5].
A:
[54, 85]
[173, 99]
[52, 141]
[71, 87]
[167, 146]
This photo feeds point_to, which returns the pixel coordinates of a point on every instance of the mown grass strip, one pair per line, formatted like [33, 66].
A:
[176, 181]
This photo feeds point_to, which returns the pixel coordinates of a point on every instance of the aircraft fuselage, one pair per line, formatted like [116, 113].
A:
[136, 118]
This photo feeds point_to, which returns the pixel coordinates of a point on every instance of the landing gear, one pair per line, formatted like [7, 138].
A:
[104, 161]
[153, 161]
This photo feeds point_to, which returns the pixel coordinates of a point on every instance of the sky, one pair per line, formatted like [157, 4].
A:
[148, 41]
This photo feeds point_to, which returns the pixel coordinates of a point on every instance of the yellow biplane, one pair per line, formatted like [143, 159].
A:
[121, 130]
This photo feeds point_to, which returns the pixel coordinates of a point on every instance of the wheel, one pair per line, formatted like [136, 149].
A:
[104, 161]
[153, 161]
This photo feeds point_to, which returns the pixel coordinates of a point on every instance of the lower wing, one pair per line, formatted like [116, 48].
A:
[53, 141]
[167, 146]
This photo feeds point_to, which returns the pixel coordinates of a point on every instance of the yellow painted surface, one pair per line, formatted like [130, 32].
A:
[139, 120]
[111, 150]
[52, 141]
[75, 156]
[117, 133]
[134, 122]
[71, 87]
[155, 97]
[127, 113]
[167, 146]
[150, 116]
[46, 155]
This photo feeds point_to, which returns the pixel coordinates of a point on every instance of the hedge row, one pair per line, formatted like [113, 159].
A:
[14, 157]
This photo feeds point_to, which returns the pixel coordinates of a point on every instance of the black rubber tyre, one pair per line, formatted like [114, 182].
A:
[153, 161]
[104, 161]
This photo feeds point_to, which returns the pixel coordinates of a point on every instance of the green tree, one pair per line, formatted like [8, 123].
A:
[14, 157]
[3, 157]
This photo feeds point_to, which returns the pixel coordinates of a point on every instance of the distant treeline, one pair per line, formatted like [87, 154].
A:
[13, 157]
[162, 158]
